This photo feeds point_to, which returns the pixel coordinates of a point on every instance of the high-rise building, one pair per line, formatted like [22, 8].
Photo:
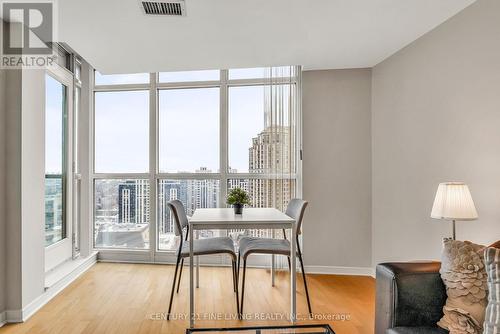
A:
[169, 190]
[133, 202]
[202, 193]
[237, 183]
[270, 155]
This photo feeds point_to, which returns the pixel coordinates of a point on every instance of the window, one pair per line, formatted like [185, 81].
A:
[189, 76]
[122, 132]
[194, 194]
[255, 135]
[77, 185]
[209, 136]
[246, 121]
[189, 130]
[55, 190]
[121, 213]
[121, 79]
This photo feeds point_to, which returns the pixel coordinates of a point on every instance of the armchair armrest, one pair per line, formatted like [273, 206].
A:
[408, 295]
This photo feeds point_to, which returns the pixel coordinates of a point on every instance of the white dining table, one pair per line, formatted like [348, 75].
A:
[252, 218]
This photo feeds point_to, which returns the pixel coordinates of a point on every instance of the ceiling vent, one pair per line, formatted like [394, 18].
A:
[167, 7]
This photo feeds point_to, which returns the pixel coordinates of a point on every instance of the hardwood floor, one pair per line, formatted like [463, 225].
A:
[133, 298]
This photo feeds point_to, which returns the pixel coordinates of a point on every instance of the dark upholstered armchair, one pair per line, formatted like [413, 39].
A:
[410, 298]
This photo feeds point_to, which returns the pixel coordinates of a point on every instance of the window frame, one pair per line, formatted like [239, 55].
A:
[62, 250]
[154, 175]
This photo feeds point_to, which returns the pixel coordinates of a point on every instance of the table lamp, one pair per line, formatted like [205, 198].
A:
[453, 202]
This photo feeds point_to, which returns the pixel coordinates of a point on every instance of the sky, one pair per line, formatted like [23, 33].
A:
[54, 124]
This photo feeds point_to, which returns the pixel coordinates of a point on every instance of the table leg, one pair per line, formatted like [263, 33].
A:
[191, 279]
[197, 265]
[293, 276]
[273, 262]
[197, 272]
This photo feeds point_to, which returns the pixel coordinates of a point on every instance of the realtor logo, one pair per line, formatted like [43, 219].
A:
[27, 33]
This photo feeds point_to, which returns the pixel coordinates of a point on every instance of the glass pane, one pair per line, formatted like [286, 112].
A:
[121, 79]
[258, 141]
[185, 76]
[122, 132]
[261, 72]
[189, 130]
[193, 194]
[55, 109]
[264, 193]
[121, 213]
[78, 71]
[246, 121]
[54, 214]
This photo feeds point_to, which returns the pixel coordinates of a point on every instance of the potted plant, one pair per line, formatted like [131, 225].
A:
[238, 197]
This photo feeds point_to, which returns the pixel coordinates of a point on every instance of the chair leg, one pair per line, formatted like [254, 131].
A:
[289, 264]
[235, 283]
[238, 270]
[304, 277]
[233, 267]
[243, 285]
[173, 285]
[238, 283]
[180, 274]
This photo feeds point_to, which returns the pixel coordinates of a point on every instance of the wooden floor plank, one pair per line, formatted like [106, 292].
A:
[114, 298]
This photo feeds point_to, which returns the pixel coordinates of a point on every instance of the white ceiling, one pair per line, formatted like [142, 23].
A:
[116, 37]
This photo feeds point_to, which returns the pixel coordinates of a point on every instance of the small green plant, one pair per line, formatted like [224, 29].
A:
[238, 196]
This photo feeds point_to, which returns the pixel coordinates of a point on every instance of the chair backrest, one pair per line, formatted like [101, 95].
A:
[295, 209]
[180, 217]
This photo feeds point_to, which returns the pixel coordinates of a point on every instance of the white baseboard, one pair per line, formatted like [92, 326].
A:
[12, 316]
[334, 270]
[2, 319]
[208, 261]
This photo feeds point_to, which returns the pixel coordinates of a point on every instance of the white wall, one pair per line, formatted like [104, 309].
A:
[33, 184]
[337, 169]
[13, 181]
[24, 119]
[435, 118]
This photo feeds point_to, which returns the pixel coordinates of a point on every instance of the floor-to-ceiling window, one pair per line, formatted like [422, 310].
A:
[59, 163]
[191, 136]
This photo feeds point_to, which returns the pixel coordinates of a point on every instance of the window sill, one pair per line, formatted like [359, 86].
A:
[68, 269]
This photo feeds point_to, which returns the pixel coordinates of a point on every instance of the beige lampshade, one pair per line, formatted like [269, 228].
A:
[453, 202]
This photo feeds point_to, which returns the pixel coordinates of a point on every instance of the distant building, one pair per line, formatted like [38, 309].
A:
[169, 190]
[237, 183]
[53, 209]
[270, 155]
[133, 202]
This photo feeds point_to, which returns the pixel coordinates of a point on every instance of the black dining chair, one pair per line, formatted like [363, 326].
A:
[208, 246]
[252, 245]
